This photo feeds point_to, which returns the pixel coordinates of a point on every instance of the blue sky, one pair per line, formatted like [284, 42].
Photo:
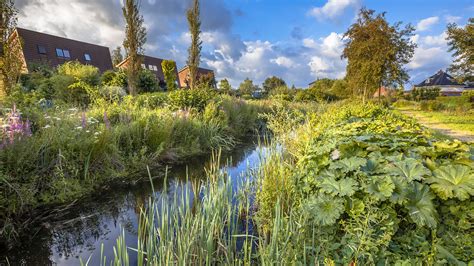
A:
[298, 40]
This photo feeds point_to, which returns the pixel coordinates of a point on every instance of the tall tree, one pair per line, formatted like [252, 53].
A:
[169, 71]
[376, 53]
[194, 57]
[11, 62]
[272, 83]
[117, 56]
[135, 39]
[461, 42]
[247, 87]
[225, 87]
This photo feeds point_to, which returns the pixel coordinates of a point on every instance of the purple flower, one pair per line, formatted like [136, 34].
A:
[14, 128]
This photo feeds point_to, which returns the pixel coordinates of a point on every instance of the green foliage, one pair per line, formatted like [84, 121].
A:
[147, 81]
[453, 181]
[247, 87]
[395, 180]
[135, 39]
[193, 15]
[169, 71]
[460, 42]
[323, 209]
[225, 87]
[420, 94]
[186, 99]
[272, 83]
[369, 66]
[72, 152]
[83, 73]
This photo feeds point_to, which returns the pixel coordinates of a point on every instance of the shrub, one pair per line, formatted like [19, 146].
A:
[85, 73]
[150, 100]
[112, 93]
[169, 71]
[147, 81]
[183, 99]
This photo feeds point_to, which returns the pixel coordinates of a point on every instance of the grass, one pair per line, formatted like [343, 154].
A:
[453, 113]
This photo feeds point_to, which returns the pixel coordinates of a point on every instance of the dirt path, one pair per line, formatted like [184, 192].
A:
[440, 127]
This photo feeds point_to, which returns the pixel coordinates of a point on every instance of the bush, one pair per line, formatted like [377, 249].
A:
[85, 73]
[185, 99]
[147, 81]
[112, 93]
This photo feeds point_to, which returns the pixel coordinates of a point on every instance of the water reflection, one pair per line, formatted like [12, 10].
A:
[101, 219]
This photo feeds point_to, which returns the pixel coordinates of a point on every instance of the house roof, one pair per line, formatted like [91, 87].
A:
[32, 40]
[439, 79]
[151, 61]
[200, 69]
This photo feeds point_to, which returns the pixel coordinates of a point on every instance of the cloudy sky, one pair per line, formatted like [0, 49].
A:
[298, 40]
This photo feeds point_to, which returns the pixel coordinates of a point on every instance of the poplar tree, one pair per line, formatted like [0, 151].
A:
[135, 39]
[461, 43]
[11, 62]
[194, 50]
[376, 53]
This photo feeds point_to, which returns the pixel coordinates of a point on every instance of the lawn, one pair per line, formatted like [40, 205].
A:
[453, 113]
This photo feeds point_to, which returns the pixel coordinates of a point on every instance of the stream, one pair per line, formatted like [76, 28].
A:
[82, 230]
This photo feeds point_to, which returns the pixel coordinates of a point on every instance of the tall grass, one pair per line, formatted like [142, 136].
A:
[73, 152]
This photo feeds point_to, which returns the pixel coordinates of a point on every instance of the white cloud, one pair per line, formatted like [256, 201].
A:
[452, 19]
[427, 23]
[283, 61]
[333, 9]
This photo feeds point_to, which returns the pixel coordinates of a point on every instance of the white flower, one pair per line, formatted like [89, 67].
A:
[335, 155]
[88, 131]
[79, 128]
[47, 117]
[47, 126]
[96, 133]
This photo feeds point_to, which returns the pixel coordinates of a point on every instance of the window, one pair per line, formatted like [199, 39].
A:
[87, 57]
[41, 49]
[156, 68]
[150, 67]
[59, 52]
[66, 54]
[63, 53]
[143, 66]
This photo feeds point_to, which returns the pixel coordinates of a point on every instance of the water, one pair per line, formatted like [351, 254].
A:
[81, 230]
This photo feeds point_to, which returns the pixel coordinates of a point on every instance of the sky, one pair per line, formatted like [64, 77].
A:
[297, 40]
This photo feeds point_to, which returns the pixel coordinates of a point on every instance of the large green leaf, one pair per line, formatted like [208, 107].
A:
[453, 182]
[400, 192]
[324, 209]
[348, 164]
[343, 187]
[410, 169]
[380, 187]
[420, 205]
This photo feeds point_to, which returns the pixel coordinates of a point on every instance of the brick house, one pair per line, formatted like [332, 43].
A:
[48, 49]
[153, 64]
[184, 76]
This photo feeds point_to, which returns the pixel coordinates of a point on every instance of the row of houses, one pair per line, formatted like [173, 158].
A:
[446, 83]
[53, 50]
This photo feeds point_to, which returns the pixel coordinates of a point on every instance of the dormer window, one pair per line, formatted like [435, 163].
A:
[66, 54]
[63, 53]
[59, 52]
[87, 57]
[41, 49]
